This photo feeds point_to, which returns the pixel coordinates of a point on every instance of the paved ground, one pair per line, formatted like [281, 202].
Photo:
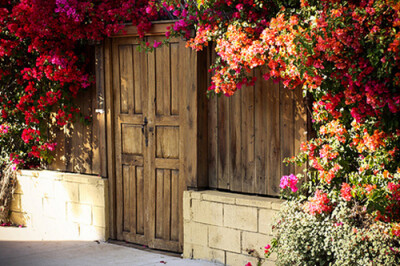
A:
[43, 253]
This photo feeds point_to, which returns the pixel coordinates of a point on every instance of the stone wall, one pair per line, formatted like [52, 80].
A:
[61, 206]
[229, 228]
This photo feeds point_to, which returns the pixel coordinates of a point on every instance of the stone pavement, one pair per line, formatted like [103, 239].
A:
[43, 253]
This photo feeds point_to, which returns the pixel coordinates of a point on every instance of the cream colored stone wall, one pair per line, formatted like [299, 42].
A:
[61, 206]
[226, 227]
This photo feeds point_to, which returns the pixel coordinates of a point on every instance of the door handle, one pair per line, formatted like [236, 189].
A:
[145, 131]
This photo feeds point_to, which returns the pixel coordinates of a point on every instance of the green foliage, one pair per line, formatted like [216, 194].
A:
[347, 236]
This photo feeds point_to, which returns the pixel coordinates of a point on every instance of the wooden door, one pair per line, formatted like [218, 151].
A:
[148, 143]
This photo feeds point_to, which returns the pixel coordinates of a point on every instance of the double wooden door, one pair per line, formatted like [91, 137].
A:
[148, 147]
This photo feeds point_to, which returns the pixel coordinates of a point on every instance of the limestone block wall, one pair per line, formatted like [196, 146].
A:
[229, 228]
[61, 206]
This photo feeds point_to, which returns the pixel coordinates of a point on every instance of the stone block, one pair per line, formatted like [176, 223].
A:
[224, 238]
[45, 188]
[91, 194]
[31, 202]
[240, 217]
[79, 213]
[254, 201]
[195, 195]
[265, 220]
[205, 253]
[195, 233]
[87, 232]
[187, 251]
[235, 259]
[99, 218]
[276, 204]
[217, 196]
[207, 212]
[54, 208]
[66, 191]
[16, 203]
[254, 241]
[187, 211]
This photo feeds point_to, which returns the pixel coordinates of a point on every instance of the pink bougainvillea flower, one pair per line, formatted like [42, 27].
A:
[289, 181]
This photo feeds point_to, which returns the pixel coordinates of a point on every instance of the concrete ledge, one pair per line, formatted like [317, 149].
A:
[228, 228]
[58, 206]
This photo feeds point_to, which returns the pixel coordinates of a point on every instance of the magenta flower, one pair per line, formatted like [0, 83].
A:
[289, 181]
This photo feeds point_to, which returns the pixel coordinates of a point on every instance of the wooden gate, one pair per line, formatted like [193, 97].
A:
[149, 108]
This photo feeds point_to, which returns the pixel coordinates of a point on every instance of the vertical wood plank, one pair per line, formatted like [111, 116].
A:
[133, 199]
[126, 172]
[224, 142]
[159, 203]
[140, 203]
[212, 143]
[109, 103]
[273, 140]
[174, 65]
[202, 121]
[150, 172]
[235, 149]
[248, 162]
[99, 127]
[126, 78]
[138, 79]
[163, 83]
[287, 127]
[166, 207]
[175, 200]
[261, 132]
[117, 141]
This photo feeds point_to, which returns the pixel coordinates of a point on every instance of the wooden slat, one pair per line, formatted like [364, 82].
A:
[212, 143]
[287, 128]
[126, 78]
[133, 199]
[116, 78]
[223, 141]
[131, 159]
[175, 205]
[235, 151]
[174, 49]
[273, 160]
[140, 203]
[248, 162]
[139, 79]
[99, 153]
[109, 103]
[159, 196]
[150, 173]
[166, 163]
[166, 207]
[260, 131]
[167, 120]
[126, 173]
[163, 80]
[129, 119]
[202, 122]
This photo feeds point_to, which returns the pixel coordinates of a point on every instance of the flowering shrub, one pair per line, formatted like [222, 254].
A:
[43, 66]
[345, 54]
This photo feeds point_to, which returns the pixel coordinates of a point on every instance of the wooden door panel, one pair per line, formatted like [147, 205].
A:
[148, 146]
[167, 142]
[128, 84]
